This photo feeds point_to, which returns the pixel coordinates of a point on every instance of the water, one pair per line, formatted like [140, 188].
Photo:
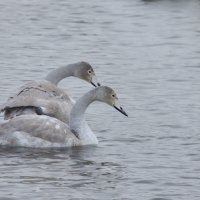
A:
[148, 51]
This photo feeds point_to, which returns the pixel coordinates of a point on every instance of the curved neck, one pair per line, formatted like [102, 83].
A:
[77, 122]
[56, 75]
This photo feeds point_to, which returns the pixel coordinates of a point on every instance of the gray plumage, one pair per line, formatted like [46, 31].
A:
[45, 92]
[45, 131]
[36, 131]
[38, 94]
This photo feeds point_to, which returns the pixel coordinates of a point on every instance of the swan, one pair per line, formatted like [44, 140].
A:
[38, 93]
[41, 131]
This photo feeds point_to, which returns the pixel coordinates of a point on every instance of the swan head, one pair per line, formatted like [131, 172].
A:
[85, 72]
[108, 95]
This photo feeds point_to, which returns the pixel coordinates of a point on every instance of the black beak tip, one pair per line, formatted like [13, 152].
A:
[98, 84]
[124, 112]
[93, 84]
[121, 111]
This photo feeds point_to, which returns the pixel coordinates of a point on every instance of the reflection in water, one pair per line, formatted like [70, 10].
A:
[70, 168]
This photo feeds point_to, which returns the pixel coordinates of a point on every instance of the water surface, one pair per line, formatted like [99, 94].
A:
[148, 51]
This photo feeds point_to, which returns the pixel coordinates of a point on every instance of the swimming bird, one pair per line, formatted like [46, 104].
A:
[41, 131]
[38, 93]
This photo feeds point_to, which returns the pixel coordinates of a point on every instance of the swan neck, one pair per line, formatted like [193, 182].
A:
[76, 119]
[56, 75]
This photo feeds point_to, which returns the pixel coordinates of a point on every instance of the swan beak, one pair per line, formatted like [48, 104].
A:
[120, 109]
[94, 81]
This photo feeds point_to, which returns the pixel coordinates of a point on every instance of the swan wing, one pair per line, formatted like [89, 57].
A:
[37, 131]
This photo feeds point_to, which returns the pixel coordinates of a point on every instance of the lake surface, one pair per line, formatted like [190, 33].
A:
[149, 52]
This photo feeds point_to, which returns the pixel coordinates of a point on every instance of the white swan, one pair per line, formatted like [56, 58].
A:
[42, 92]
[40, 131]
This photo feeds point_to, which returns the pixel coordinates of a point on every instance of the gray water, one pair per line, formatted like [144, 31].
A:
[149, 52]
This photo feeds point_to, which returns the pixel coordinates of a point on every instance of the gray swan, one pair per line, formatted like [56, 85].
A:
[41, 131]
[40, 93]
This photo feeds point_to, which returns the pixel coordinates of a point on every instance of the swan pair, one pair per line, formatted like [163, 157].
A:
[42, 115]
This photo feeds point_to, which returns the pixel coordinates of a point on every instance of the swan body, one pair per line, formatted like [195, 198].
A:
[37, 132]
[45, 131]
[40, 93]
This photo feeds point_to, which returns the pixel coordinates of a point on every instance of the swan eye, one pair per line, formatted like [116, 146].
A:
[89, 71]
[113, 95]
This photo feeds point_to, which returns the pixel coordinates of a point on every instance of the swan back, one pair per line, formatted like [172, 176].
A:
[35, 94]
